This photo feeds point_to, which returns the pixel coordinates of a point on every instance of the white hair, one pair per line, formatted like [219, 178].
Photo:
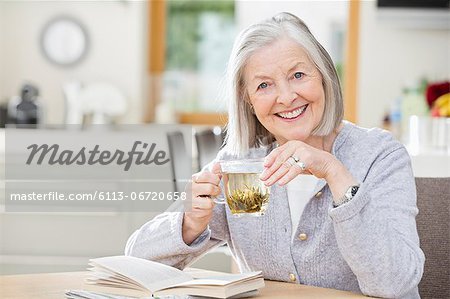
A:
[244, 131]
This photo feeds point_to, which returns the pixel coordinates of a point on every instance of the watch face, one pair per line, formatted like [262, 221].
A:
[354, 190]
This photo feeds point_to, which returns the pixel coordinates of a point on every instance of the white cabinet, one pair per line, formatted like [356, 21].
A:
[431, 165]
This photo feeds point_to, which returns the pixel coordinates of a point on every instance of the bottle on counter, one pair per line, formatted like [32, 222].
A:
[413, 104]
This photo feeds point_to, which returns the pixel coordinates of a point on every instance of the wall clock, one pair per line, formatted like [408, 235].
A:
[64, 41]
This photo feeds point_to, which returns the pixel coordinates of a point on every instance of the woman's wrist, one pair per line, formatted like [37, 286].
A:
[339, 179]
[191, 229]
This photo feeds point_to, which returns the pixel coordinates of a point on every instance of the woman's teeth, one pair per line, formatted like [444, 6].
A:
[292, 114]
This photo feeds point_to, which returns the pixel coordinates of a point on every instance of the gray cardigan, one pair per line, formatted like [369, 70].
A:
[368, 245]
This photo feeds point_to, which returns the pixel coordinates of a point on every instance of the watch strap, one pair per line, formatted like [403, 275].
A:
[349, 194]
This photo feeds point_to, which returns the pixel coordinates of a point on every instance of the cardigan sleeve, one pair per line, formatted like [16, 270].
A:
[376, 231]
[161, 239]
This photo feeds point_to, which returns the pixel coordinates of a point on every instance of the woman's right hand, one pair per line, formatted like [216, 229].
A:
[205, 186]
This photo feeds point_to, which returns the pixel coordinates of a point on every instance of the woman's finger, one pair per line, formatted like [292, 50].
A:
[216, 169]
[270, 158]
[202, 203]
[280, 157]
[271, 164]
[206, 177]
[205, 189]
[294, 171]
[280, 172]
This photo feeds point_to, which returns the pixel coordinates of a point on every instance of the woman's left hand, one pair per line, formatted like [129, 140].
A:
[293, 158]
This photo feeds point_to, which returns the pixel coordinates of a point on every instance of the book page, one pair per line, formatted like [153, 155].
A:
[221, 280]
[150, 275]
[100, 273]
[214, 291]
[201, 273]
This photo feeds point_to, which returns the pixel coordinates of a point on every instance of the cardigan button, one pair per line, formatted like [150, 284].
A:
[302, 237]
[292, 277]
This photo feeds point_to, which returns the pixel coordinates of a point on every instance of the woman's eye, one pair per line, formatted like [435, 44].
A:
[262, 85]
[298, 75]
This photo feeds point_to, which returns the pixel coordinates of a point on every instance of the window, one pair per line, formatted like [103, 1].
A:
[199, 38]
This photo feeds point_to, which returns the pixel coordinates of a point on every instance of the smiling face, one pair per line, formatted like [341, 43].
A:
[286, 91]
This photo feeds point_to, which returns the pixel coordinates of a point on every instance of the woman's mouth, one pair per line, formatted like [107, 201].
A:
[292, 115]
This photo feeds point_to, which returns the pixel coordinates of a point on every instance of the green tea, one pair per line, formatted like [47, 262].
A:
[246, 193]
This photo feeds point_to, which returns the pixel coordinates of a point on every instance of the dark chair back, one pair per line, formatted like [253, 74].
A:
[180, 159]
[208, 145]
[433, 225]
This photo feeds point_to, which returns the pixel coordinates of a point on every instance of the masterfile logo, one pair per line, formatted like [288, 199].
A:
[105, 168]
[52, 155]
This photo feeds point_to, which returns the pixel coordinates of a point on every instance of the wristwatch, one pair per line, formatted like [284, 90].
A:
[349, 194]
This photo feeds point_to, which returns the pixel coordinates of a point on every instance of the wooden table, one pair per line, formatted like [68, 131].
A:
[53, 285]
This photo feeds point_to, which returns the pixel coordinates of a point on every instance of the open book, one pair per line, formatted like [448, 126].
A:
[135, 277]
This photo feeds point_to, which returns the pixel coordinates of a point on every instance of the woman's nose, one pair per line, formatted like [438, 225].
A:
[286, 94]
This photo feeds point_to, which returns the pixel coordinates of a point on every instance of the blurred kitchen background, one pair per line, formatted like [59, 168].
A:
[137, 62]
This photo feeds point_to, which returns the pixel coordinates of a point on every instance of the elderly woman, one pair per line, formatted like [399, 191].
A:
[349, 226]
